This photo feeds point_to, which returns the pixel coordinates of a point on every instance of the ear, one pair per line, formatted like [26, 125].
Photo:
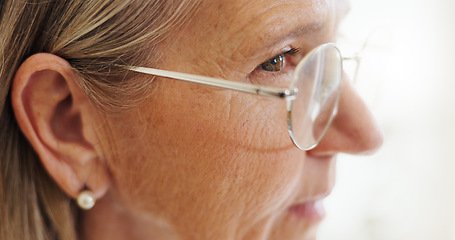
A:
[59, 121]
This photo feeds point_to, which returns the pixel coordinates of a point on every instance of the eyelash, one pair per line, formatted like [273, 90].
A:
[280, 64]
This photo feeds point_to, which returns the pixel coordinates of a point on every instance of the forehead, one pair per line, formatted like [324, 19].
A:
[236, 29]
[259, 17]
[249, 11]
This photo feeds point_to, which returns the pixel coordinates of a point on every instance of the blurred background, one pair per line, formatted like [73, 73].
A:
[407, 76]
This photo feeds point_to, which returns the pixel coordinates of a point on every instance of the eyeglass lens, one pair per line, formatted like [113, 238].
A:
[317, 83]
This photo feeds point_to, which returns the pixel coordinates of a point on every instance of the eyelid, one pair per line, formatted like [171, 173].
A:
[284, 52]
[281, 56]
[290, 52]
[293, 51]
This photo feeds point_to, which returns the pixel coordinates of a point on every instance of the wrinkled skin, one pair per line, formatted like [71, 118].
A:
[196, 162]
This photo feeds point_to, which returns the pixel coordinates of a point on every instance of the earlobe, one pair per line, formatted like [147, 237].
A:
[55, 114]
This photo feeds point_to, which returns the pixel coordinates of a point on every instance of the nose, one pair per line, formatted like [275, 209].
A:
[353, 129]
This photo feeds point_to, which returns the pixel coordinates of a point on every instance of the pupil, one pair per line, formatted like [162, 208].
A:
[275, 61]
[274, 64]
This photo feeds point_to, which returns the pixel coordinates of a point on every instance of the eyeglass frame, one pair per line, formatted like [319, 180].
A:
[274, 92]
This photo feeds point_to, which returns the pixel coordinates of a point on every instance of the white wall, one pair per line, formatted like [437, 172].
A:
[407, 190]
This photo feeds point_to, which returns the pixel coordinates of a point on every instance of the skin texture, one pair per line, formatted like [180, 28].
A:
[190, 161]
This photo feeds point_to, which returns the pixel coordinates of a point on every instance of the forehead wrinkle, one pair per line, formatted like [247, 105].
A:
[279, 27]
[238, 38]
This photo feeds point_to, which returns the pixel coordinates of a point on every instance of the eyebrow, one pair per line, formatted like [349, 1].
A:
[295, 32]
[269, 41]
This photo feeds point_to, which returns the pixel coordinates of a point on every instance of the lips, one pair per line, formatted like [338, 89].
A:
[317, 183]
[310, 211]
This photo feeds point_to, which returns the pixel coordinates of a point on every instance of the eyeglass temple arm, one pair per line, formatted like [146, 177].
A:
[356, 58]
[216, 82]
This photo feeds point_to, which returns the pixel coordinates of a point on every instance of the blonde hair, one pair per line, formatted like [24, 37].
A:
[95, 37]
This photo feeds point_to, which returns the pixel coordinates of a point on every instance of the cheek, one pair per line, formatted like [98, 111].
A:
[219, 118]
[258, 124]
[206, 157]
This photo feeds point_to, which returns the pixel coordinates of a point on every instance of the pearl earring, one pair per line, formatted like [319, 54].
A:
[86, 200]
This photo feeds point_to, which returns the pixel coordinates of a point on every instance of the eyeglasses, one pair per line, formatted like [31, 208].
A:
[367, 51]
[311, 98]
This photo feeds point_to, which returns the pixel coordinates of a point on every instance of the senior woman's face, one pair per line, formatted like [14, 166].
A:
[203, 163]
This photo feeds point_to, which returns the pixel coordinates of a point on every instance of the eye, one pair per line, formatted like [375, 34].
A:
[278, 62]
[274, 64]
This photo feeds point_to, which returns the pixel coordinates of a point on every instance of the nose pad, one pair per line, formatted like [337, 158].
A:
[353, 129]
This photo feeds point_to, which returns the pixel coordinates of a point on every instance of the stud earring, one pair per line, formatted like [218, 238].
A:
[86, 200]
